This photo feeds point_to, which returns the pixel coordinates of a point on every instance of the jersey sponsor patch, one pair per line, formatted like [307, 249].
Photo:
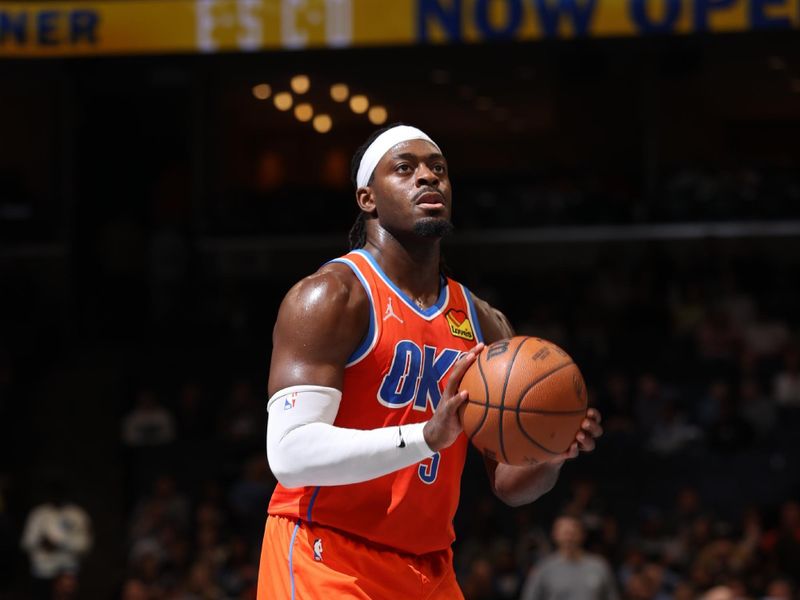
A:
[459, 324]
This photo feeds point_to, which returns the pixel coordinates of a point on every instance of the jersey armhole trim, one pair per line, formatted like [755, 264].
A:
[371, 338]
[476, 324]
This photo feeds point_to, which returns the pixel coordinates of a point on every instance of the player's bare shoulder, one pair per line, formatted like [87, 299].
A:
[321, 321]
[494, 324]
[330, 297]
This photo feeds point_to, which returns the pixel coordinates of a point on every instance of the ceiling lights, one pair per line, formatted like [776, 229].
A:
[283, 101]
[300, 84]
[322, 123]
[305, 112]
[339, 92]
[262, 91]
[359, 104]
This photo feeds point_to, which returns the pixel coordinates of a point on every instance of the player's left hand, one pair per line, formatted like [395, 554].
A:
[585, 439]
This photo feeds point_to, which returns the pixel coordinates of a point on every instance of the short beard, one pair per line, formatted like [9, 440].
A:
[433, 228]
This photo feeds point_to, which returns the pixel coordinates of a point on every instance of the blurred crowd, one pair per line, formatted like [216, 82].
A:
[685, 193]
[694, 490]
[195, 528]
[555, 196]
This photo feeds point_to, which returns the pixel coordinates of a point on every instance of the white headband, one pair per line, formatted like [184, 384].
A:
[382, 144]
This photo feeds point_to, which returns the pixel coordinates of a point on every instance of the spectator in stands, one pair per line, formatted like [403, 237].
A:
[616, 402]
[164, 508]
[786, 387]
[607, 541]
[729, 432]
[146, 571]
[248, 497]
[757, 409]
[65, 587]
[585, 504]
[532, 541]
[684, 591]
[56, 537]
[649, 402]
[782, 544]
[507, 578]
[148, 424]
[134, 589]
[688, 506]
[688, 309]
[707, 410]
[780, 589]
[478, 582]
[192, 415]
[738, 306]
[717, 342]
[570, 572]
[767, 336]
[241, 420]
[200, 584]
[672, 433]
[720, 592]
[239, 574]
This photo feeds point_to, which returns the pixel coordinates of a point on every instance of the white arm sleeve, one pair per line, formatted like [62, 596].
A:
[305, 449]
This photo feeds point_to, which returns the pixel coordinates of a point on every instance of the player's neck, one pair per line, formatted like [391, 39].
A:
[413, 265]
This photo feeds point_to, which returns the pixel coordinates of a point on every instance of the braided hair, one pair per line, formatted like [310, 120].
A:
[358, 232]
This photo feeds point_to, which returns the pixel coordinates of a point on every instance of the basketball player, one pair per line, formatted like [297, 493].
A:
[363, 432]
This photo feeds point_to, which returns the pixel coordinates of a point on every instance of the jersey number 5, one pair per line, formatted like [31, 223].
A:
[429, 468]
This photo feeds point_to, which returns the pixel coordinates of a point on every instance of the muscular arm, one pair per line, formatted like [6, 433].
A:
[320, 322]
[521, 485]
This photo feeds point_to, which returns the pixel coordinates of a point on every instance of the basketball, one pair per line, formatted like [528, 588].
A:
[527, 399]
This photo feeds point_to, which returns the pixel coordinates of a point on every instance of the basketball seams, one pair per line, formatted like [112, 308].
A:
[533, 383]
[503, 396]
[535, 411]
[486, 404]
[519, 410]
[531, 439]
[548, 416]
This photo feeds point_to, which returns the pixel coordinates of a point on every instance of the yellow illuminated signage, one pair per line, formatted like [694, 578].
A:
[56, 28]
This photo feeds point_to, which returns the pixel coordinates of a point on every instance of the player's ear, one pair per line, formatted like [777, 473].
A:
[365, 199]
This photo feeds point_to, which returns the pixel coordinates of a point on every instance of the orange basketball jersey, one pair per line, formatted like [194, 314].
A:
[396, 376]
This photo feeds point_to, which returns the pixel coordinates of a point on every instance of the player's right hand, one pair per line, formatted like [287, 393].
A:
[444, 427]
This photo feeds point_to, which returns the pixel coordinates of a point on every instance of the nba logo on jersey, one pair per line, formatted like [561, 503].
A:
[318, 549]
[289, 402]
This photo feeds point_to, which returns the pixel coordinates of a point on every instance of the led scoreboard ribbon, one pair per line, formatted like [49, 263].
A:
[30, 29]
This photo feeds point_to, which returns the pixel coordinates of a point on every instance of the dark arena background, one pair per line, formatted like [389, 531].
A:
[626, 183]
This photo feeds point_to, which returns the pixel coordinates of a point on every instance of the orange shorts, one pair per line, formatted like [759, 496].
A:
[306, 561]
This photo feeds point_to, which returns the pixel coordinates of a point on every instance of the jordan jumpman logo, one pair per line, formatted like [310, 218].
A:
[390, 312]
